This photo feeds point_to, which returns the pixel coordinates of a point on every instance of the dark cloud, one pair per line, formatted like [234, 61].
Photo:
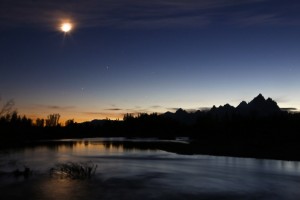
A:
[136, 13]
[268, 12]
[155, 107]
[289, 109]
[259, 19]
[172, 109]
[55, 107]
[114, 109]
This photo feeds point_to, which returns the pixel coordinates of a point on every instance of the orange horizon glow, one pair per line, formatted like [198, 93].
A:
[78, 119]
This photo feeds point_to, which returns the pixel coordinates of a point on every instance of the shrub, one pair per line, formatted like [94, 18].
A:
[82, 170]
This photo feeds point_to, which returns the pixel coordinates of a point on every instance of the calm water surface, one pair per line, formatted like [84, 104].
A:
[131, 172]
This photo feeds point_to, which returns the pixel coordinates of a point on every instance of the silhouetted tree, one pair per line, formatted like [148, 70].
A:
[25, 122]
[40, 122]
[52, 120]
[7, 108]
[128, 116]
[69, 122]
[15, 119]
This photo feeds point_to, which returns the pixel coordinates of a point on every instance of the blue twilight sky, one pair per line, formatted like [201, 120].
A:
[129, 56]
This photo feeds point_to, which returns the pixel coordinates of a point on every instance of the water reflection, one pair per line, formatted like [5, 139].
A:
[61, 189]
[130, 169]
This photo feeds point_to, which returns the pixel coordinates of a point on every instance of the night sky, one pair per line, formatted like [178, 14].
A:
[130, 56]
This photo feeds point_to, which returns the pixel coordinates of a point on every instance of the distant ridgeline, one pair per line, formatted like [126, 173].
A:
[258, 117]
[255, 129]
[259, 107]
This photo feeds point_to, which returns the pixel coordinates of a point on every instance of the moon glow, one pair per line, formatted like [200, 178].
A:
[66, 27]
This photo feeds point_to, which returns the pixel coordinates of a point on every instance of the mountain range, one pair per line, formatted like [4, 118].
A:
[259, 107]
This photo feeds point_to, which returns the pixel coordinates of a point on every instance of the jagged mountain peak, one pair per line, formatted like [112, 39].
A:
[270, 100]
[242, 107]
[258, 99]
[242, 104]
[259, 106]
[180, 111]
[228, 105]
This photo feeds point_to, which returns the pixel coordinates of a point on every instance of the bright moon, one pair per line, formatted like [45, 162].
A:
[66, 27]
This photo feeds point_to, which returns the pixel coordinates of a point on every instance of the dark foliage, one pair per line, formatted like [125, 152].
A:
[257, 128]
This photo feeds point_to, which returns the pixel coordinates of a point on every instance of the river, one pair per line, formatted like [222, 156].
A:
[128, 170]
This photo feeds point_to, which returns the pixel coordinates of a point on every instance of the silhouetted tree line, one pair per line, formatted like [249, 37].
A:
[275, 136]
[206, 125]
[224, 130]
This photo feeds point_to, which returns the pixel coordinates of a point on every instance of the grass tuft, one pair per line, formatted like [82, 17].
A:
[72, 170]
